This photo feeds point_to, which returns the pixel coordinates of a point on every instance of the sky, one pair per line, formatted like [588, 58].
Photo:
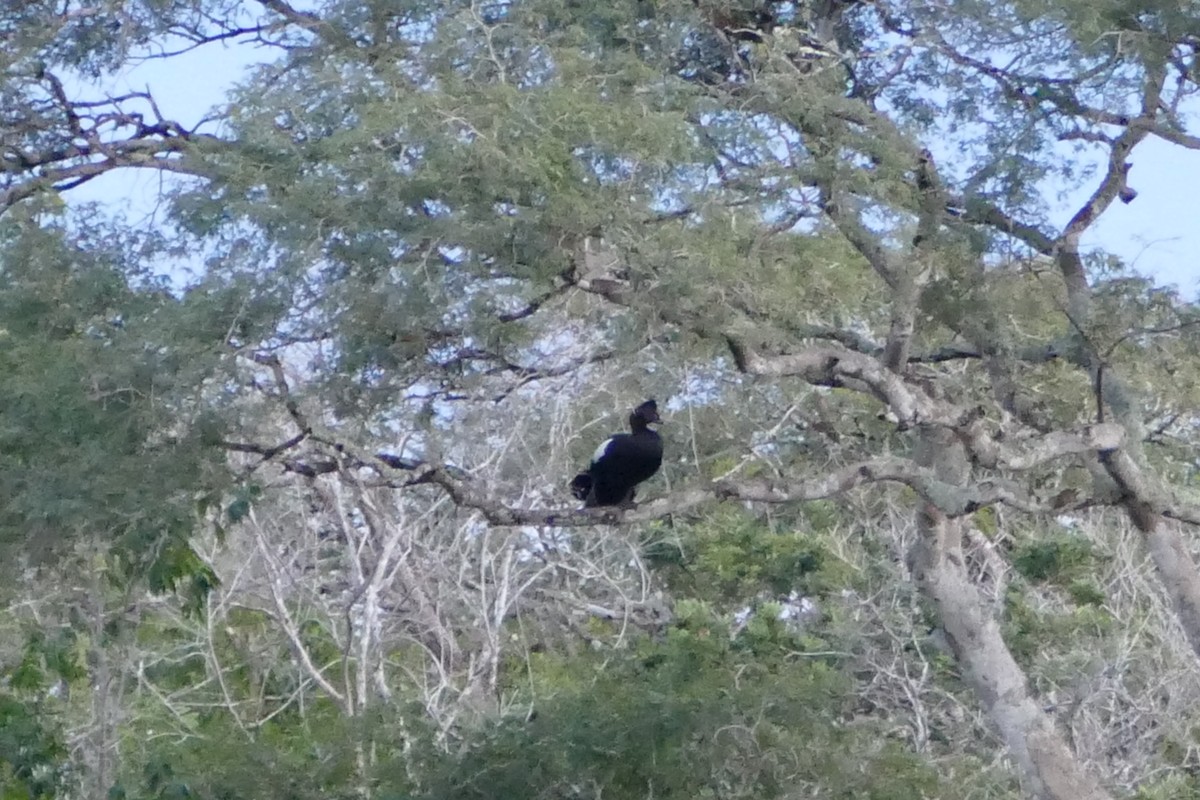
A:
[185, 87]
[1158, 234]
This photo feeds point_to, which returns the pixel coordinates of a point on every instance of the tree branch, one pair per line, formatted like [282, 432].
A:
[837, 367]
[980, 212]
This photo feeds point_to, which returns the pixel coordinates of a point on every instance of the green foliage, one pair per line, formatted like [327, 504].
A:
[33, 756]
[731, 557]
[1031, 632]
[1057, 559]
[1065, 561]
[179, 569]
[48, 656]
[243, 499]
[1177, 786]
[689, 716]
[437, 207]
[34, 760]
[220, 761]
[1083, 592]
[95, 379]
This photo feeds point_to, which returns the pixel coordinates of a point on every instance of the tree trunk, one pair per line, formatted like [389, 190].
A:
[1178, 573]
[1048, 769]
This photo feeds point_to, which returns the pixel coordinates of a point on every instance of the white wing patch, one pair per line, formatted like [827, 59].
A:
[601, 450]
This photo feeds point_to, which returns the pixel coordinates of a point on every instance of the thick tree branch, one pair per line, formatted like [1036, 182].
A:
[1143, 498]
[1114, 183]
[835, 206]
[1039, 449]
[953, 501]
[980, 212]
[909, 282]
[837, 367]
[305, 19]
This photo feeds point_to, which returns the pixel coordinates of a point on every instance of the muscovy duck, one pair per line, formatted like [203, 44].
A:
[621, 462]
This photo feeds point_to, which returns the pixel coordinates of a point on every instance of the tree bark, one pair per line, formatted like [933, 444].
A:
[1048, 769]
[1177, 570]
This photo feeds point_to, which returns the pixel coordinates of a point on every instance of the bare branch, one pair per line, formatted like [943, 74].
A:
[288, 623]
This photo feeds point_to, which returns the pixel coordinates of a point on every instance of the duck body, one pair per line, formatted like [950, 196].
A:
[621, 462]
